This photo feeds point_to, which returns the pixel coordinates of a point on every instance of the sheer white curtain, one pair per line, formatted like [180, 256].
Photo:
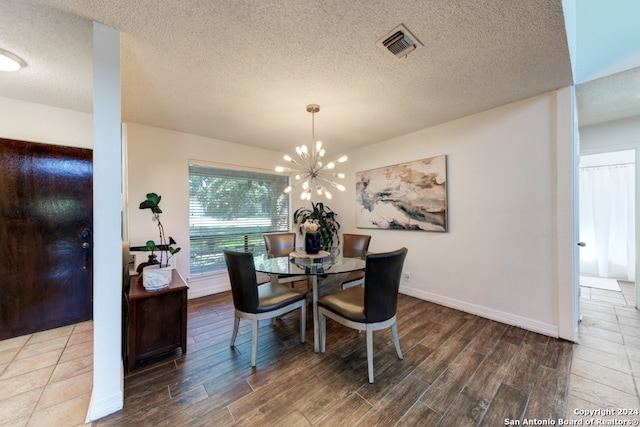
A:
[607, 221]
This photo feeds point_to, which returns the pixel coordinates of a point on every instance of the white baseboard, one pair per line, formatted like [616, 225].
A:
[202, 289]
[499, 316]
[105, 406]
[213, 283]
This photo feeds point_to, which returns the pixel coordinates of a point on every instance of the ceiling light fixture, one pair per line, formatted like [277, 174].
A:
[311, 172]
[9, 61]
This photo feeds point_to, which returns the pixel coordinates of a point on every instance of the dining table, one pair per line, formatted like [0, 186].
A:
[324, 264]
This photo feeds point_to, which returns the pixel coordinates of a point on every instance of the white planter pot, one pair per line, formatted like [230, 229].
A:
[154, 277]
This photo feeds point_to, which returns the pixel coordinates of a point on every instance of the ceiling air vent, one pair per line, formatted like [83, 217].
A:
[399, 42]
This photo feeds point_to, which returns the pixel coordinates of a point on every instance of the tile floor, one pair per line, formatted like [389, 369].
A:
[45, 378]
[605, 368]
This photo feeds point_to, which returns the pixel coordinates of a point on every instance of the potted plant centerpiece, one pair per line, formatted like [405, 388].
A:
[157, 273]
[325, 223]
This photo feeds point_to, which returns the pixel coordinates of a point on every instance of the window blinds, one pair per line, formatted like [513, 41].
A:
[232, 209]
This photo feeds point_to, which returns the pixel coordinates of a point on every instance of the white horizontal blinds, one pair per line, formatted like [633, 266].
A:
[232, 209]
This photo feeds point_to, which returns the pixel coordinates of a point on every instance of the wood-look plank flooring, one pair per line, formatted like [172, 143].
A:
[458, 370]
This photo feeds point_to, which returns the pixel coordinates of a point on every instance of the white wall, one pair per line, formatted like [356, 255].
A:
[610, 136]
[606, 159]
[26, 121]
[159, 163]
[498, 259]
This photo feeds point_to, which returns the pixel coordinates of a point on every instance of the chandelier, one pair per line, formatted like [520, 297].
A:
[311, 172]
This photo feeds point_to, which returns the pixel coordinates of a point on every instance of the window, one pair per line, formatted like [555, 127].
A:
[232, 209]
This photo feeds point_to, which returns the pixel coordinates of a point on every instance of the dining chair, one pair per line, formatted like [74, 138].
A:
[278, 245]
[355, 246]
[371, 308]
[254, 302]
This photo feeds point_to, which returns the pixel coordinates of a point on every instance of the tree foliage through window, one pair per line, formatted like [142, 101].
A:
[232, 209]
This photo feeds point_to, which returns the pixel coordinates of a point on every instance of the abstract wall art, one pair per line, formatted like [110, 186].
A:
[408, 196]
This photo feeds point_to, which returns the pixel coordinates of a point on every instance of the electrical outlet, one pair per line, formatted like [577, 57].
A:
[407, 276]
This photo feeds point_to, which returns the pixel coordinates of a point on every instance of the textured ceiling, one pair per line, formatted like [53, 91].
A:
[609, 98]
[243, 71]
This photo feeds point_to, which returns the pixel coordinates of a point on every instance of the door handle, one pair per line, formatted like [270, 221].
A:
[582, 244]
[85, 245]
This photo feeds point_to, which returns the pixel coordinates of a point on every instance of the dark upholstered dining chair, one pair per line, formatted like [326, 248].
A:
[282, 244]
[370, 308]
[254, 302]
[355, 246]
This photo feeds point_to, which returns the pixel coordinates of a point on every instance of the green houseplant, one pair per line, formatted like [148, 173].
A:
[322, 215]
[164, 247]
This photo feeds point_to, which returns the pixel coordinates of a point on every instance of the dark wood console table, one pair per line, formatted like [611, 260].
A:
[156, 321]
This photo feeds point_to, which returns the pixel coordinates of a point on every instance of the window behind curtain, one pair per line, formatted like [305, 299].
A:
[232, 209]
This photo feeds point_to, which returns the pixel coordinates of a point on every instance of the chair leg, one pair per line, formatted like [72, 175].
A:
[370, 352]
[303, 321]
[396, 341]
[254, 341]
[236, 324]
[323, 332]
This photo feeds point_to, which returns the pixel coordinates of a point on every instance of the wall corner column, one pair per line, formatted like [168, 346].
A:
[566, 214]
[108, 375]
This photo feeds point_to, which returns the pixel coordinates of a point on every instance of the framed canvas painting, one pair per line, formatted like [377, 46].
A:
[408, 196]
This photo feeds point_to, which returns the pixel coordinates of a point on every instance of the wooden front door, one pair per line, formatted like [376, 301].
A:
[46, 246]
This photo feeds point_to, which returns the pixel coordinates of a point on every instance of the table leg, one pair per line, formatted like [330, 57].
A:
[314, 302]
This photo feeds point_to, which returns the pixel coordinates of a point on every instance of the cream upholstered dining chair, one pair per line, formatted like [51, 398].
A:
[370, 308]
[355, 246]
[254, 302]
[282, 244]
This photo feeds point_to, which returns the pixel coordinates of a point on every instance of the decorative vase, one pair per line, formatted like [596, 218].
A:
[155, 277]
[312, 242]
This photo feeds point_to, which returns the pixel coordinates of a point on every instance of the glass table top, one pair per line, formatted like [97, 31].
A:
[333, 263]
